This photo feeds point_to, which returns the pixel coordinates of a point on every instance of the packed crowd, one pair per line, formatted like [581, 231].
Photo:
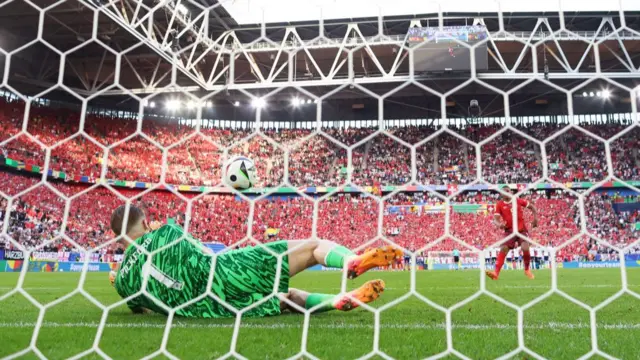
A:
[313, 160]
[408, 219]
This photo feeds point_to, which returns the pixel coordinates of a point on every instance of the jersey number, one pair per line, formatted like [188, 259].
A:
[163, 278]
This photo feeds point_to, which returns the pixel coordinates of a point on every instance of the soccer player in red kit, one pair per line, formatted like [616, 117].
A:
[503, 218]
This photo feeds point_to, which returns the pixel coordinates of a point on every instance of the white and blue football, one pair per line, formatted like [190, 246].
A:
[240, 173]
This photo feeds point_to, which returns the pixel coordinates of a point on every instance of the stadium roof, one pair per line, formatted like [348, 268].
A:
[147, 60]
[278, 11]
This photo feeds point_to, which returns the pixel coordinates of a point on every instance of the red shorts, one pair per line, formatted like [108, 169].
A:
[516, 240]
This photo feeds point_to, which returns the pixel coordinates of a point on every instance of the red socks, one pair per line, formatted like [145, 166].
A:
[500, 262]
[526, 256]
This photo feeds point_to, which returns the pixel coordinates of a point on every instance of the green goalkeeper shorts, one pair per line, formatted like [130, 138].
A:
[247, 277]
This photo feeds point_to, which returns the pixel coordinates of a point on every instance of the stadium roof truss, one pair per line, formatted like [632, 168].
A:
[198, 47]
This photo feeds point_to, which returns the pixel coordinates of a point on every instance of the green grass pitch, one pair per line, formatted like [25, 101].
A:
[482, 329]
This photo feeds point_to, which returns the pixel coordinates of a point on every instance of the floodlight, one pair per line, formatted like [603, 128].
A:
[258, 103]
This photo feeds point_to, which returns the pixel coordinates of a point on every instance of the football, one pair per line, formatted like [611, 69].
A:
[240, 173]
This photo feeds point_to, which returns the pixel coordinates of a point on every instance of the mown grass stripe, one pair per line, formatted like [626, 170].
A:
[437, 326]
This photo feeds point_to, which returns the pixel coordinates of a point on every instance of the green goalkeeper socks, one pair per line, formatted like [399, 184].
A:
[316, 299]
[335, 257]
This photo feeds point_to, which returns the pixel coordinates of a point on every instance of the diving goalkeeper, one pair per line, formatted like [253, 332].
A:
[180, 273]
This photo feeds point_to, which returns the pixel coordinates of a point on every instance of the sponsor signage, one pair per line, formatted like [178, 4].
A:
[13, 255]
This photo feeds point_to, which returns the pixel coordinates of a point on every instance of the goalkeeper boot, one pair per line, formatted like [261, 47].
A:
[365, 294]
[383, 256]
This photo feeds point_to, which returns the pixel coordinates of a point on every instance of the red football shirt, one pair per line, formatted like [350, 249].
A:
[504, 209]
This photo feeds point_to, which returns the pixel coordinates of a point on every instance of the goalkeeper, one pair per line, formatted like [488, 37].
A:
[179, 273]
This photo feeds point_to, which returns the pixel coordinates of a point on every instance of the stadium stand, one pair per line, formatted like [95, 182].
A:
[316, 161]
[573, 156]
[222, 218]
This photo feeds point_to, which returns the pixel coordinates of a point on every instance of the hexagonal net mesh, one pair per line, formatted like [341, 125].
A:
[432, 140]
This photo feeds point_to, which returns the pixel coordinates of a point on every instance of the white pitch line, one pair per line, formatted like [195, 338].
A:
[560, 286]
[436, 326]
[39, 288]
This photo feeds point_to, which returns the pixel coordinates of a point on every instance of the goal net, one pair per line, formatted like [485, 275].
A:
[410, 125]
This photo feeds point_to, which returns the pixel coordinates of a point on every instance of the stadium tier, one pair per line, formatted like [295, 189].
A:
[413, 220]
[574, 156]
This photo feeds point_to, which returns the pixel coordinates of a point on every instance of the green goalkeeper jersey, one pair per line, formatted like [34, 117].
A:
[179, 274]
[176, 274]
